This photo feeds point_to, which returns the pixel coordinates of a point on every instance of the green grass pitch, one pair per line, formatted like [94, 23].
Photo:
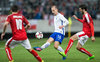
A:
[50, 54]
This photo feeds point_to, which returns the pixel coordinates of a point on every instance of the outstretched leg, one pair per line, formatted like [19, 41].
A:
[83, 50]
[8, 50]
[72, 39]
[34, 53]
[60, 50]
[26, 44]
[9, 55]
[49, 41]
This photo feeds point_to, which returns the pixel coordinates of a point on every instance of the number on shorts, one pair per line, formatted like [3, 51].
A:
[19, 24]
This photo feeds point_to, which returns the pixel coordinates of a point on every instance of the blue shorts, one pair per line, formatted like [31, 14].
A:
[57, 37]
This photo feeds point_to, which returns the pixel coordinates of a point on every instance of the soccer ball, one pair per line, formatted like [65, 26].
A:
[39, 35]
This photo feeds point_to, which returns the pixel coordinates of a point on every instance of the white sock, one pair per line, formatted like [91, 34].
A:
[60, 49]
[45, 45]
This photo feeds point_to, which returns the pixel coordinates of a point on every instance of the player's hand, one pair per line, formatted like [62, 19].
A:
[2, 35]
[60, 27]
[75, 16]
[93, 38]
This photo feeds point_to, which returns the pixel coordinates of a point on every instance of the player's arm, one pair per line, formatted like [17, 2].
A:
[5, 26]
[27, 23]
[92, 31]
[65, 22]
[92, 27]
[77, 18]
[27, 26]
[4, 29]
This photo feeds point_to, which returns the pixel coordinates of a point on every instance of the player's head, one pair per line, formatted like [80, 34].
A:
[14, 8]
[54, 9]
[82, 8]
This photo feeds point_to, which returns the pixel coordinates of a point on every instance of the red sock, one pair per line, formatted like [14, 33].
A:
[69, 46]
[8, 51]
[36, 55]
[85, 51]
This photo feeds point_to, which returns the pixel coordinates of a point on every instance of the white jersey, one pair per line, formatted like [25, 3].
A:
[60, 20]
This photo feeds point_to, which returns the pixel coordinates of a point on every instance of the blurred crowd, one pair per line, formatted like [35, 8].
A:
[40, 9]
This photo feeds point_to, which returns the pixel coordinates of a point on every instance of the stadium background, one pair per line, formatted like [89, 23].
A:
[39, 14]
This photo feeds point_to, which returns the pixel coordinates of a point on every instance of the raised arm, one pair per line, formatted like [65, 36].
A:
[78, 18]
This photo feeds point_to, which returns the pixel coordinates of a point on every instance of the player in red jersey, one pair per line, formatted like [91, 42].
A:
[87, 32]
[16, 22]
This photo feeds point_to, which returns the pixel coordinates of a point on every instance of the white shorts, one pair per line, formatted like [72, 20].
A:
[12, 43]
[82, 37]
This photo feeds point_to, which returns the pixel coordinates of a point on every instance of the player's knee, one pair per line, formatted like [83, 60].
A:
[78, 48]
[72, 38]
[55, 46]
[29, 50]
[6, 46]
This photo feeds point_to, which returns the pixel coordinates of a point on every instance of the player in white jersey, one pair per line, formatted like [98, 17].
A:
[59, 22]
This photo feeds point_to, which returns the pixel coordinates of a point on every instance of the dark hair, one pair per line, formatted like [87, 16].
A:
[83, 7]
[14, 8]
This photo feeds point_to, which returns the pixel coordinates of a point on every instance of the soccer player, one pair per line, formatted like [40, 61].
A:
[59, 22]
[87, 32]
[19, 34]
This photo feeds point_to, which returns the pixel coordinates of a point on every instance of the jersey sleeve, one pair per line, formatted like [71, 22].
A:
[92, 29]
[65, 21]
[8, 19]
[25, 20]
[89, 20]
[81, 20]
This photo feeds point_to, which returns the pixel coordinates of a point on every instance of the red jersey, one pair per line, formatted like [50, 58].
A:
[16, 22]
[86, 24]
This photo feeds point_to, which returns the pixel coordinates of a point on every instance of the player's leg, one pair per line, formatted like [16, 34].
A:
[8, 50]
[35, 54]
[58, 40]
[59, 48]
[56, 45]
[26, 44]
[83, 50]
[49, 41]
[45, 45]
[80, 43]
[9, 54]
[71, 40]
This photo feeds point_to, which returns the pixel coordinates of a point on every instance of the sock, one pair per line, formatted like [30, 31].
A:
[45, 45]
[36, 55]
[69, 46]
[60, 49]
[8, 52]
[85, 51]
